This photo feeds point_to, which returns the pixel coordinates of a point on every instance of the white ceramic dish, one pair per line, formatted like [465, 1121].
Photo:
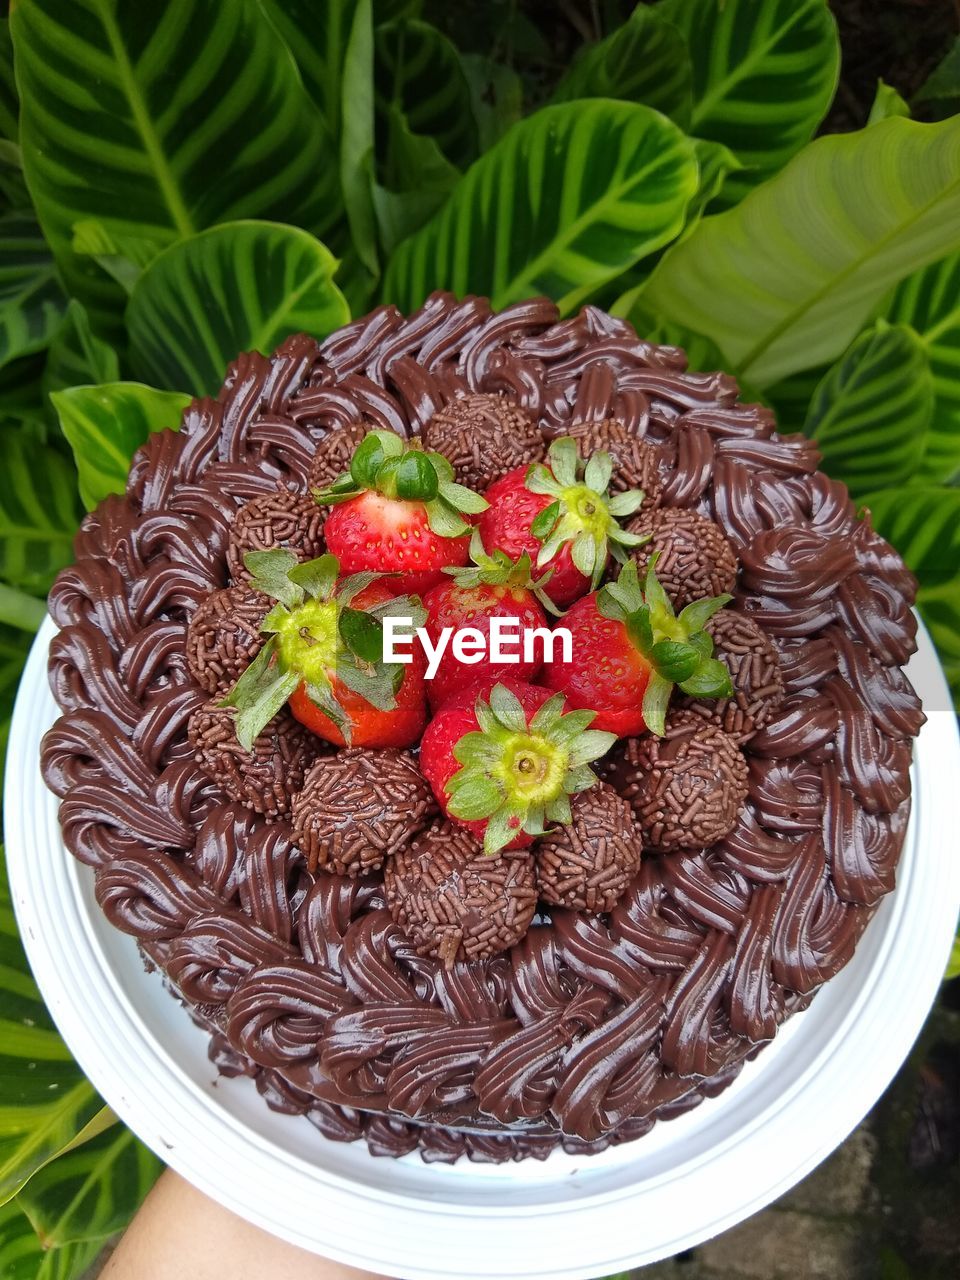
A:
[688, 1180]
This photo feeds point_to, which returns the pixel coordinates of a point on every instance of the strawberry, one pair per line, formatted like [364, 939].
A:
[562, 516]
[629, 649]
[325, 656]
[494, 587]
[504, 763]
[399, 510]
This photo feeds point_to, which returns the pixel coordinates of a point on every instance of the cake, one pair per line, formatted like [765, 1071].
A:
[346, 945]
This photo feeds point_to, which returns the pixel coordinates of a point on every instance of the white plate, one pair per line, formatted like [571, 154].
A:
[567, 1217]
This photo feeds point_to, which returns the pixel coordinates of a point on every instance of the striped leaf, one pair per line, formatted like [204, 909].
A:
[106, 424]
[763, 77]
[570, 198]
[77, 356]
[31, 299]
[157, 120]
[91, 1192]
[9, 102]
[240, 287]
[23, 1257]
[939, 96]
[496, 92]
[929, 302]
[14, 647]
[46, 1101]
[870, 413]
[786, 280]
[317, 36]
[38, 513]
[644, 60]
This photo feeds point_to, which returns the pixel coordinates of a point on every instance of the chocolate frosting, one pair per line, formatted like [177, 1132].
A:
[592, 1026]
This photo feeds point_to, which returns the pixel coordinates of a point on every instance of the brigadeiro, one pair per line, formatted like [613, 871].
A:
[357, 807]
[586, 865]
[278, 519]
[484, 436]
[224, 636]
[334, 453]
[635, 461]
[754, 667]
[695, 559]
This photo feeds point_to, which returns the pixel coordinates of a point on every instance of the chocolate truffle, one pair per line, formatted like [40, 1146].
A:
[635, 463]
[587, 865]
[224, 636]
[695, 559]
[357, 807]
[454, 901]
[687, 787]
[754, 667]
[333, 454]
[266, 778]
[484, 436]
[278, 519]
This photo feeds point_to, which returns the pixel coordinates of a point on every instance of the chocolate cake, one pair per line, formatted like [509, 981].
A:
[362, 960]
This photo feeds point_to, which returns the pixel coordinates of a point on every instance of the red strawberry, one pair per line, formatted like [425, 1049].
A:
[399, 510]
[505, 763]
[629, 649]
[496, 587]
[562, 517]
[325, 656]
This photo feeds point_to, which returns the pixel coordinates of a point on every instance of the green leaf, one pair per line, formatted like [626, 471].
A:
[317, 35]
[77, 357]
[953, 964]
[785, 281]
[270, 572]
[14, 647]
[763, 77]
[240, 287]
[362, 634]
[105, 425]
[496, 93]
[38, 514]
[357, 138]
[887, 103]
[31, 299]
[122, 254]
[9, 103]
[91, 1192]
[23, 1257]
[158, 121]
[870, 413]
[644, 60]
[47, 1101]
[929, 302]
[939, 96]
[568, 199]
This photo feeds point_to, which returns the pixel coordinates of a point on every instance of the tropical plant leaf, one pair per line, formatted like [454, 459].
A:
[929, 301]
[106, 424]
[317, 36]
[21, 389]
[785, 281]
[160, 120]
[644, 60]
[870, 413]
[77, 357]
[240, 287]
[496, 92]
[953, 964]
[9, 103]
[763, 77]
[887, 103]
[91, 1192]
[46, 1099]
[14, 647]
[570, 198]
[31, 299]
[121, 255]
[38, 513]
[430, 179]
[23, 1257]
[939, 96]
[357, 138]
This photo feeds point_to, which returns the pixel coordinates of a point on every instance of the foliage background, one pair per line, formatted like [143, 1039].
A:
[180, 181]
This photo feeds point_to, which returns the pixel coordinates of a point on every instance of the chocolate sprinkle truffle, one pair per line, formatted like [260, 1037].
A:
[484, 436]
[359, 806]
[454, 901]
[334, 453]
[687, 787]
[635, 461]
[224, 636]
[264, 779]
[278, 519]
[587, 865]
[695, 558]
[754, 667]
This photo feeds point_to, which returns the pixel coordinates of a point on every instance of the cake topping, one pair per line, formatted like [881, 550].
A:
[687, 787]
[324, 655]
[357, 807]
[629, 649]
[224, 636]
[695, 558]
[278, 519]
[562, 516]
[484, 436]
[635, 463]
[456, 903]
[505, 763]
[588, 863]
[265, 776]
[754, 666]
[333, 454]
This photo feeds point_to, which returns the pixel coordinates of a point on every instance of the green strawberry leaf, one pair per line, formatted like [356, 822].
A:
[362, 634]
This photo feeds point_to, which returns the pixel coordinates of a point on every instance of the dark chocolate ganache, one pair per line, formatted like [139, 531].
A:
[592, 1026]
